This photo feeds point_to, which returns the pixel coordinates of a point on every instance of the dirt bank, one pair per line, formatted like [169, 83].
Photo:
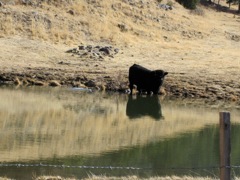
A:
[50, 65]
[51, 45]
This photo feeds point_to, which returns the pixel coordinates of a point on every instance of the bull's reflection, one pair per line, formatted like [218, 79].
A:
[138, 106]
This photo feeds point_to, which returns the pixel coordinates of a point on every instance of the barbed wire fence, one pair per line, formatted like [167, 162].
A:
[113, 167]
[210, 170]
[225, 168]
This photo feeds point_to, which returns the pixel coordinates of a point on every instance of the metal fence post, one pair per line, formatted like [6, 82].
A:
[225, 145]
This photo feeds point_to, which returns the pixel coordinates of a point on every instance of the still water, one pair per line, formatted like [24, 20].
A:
[84, 133]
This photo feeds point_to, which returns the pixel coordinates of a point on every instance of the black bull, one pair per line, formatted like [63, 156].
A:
[145, 79]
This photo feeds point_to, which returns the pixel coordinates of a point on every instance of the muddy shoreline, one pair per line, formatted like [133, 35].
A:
[175, 85]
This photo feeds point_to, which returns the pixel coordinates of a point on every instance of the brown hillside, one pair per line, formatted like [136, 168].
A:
[200, 52]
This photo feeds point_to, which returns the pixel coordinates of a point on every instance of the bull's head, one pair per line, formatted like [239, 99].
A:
[159, 75]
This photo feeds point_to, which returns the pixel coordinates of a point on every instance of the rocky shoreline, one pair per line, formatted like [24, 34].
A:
[174, 86]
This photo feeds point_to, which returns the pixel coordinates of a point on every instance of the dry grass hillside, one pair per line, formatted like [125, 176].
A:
[103, 38]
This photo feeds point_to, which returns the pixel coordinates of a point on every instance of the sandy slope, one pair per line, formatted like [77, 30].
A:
[201, 53]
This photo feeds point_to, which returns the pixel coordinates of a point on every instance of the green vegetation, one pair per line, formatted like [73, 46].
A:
[189, 4]
[192, 4]
[93, 177]
[234, 2]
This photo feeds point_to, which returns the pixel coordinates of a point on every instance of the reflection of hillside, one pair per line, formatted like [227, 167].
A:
[62, 123]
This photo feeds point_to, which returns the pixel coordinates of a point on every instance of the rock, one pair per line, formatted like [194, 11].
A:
[27, 2]
[116, 50]
[25, 82]
[78, 84]
[105, 50]
[102, 87]
[162, 91]
[165, 6]
[89, 47]
[90, 83]
[17, 81]
[39, 83]
[75, 50]
[71, 12]
[54, 83]
[69, 51]
[81, 47]
[30, 81]
[3, 78]
[84, 54]
[122, 27]
[93, 52]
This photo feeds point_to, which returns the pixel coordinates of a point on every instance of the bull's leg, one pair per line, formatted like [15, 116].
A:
[131, 88]
[139, 90]
[155, 92]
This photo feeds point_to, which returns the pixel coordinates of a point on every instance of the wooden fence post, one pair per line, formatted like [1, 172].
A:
[225, 145]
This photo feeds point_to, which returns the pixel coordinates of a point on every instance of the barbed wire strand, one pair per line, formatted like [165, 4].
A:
[113, 167]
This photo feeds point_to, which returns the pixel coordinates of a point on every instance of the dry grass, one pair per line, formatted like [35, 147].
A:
[63, 117]
[93, 177]
[176, 40]
[151, 178]
[97, 21]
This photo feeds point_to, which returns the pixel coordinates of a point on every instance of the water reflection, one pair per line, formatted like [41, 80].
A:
[60, 126]
[139, 106]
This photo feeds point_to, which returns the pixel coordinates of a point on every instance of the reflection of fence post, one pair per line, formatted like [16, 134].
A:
[225, 145]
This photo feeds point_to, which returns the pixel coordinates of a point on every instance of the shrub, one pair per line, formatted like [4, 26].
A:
[170, 3]
[189, 4]
[198, 11]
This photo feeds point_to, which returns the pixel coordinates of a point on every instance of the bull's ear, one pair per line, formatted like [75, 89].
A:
[165, 73]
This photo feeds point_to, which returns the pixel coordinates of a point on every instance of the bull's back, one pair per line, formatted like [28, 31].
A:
[138, 73]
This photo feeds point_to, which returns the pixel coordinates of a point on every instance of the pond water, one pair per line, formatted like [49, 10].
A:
[74, 133]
